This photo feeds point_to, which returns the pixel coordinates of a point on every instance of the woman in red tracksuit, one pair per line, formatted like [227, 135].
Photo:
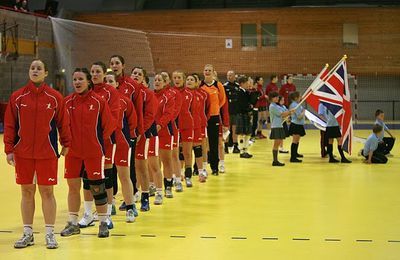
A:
[261, 105]
[124, 134]
[90, 125]
[186, 126]
[148, 142]
[197, 109]
[131, 89]
[111, 95]
[33, 115]
[164, 116]
[176, 164]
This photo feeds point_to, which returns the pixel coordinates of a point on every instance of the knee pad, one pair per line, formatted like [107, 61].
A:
[109, 180]
[98, 189]
[86, 183]
[198, 151]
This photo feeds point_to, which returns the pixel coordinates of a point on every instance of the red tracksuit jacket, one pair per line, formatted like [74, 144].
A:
[127, 121]
[285, 92]
[131, 89]
[149, 112]
[111, 95]
[205, 106]
[185, 118]
[178, 104]
[196, 108]
[32, 118]
[262, 100]
[90, 124]
[165, 111]
[224, 114]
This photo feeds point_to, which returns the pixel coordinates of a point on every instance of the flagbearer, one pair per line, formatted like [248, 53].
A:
[332, 132]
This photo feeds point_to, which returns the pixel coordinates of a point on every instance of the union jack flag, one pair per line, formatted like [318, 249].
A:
[332, 90]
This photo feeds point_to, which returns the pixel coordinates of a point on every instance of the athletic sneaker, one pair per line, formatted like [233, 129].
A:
[236, 149]
[178, 187]
[136, 197]
[222, 168]
[152, 190]
[113, 210]
[158, 200]
[145, 204]
[246, 155]
[86, 221]
[25, 241]
[70, 229]
[202, 177]
[110, 224]
[103, 230]
[277, 163]
[168, 192]
[51, 242]
[135, 212]
[215, 172]
[189, 183]
[123, 206]
[195, 172]
[130, 216]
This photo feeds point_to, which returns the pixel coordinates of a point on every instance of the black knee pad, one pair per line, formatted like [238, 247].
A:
[198, 151]
[86, 184]
[109, 181]
[98, 189]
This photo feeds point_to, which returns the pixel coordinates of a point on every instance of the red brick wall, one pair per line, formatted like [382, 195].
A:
[307, 38]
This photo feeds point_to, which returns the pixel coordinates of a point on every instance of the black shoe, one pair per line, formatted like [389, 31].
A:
[295, 160]
[226, 150]
[333, 160]
[299, 156]
[345, 160]
[195, 172]
[245, 155]
[277, 163]
[215, 172]
[283, 151]
[236, 149]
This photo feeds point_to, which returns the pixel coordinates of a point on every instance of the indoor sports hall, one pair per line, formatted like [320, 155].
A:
[332, 193]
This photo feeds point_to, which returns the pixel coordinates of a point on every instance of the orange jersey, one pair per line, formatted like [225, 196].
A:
[216, 95]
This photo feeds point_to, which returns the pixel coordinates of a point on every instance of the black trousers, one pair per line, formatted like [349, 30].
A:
[386, 146]
[255, 123]
[377, 157]
[213, 139]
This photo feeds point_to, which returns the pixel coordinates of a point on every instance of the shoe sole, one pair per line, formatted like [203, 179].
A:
[51, 247]
[20, 247]
[88, 225]
[75, 233]
[103, 236]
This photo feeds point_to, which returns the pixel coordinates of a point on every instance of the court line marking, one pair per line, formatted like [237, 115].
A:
[364, 240]
[144, 235]
[208, 237]
[239, 238]
[332, 240]
[301, 239]
[177, 236]
[118, 235]
[6, 231]
[269, 238]
[394, 241]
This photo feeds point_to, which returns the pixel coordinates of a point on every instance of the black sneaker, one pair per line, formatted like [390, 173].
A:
[245, 155]
[195, 172]
[295, 160]
[345, 160]
[103, 230]
[277, 163]
[123, 206]
[236, 149]
[333, 160]
[215, 172]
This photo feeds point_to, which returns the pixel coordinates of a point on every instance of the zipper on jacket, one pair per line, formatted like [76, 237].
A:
[34, 127]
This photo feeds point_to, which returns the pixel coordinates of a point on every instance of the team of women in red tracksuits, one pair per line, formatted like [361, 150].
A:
[111, 121]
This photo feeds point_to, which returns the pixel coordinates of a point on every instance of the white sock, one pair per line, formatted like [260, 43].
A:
[87, 205]
[73, 218]
[222, 162]
[28, 229]
[102, 217]
[109, 209]
[49, 229]
[178, 180]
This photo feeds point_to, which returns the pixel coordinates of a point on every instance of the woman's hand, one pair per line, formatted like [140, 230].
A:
[64, 151]
[10, 159]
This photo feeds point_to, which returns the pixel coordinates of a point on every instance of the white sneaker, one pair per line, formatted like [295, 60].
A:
[109, 222]
[222, 168]
[158, 200]
[130, 216]
[202, 176]
[86, 221]
[136, 197]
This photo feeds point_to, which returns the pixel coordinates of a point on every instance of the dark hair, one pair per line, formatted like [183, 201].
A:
[147, 80]
[242, 79]
[377, 129]
[141, 68]
[378, 112]
[273, 76]
[119, 57]
[87, 73]
[101, 64]
[272, 95]
[46, 68]
[293, 96]
[195, 76]
[280, 98]
[257, 78]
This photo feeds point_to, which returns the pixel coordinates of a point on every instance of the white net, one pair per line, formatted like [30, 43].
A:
[79, 44]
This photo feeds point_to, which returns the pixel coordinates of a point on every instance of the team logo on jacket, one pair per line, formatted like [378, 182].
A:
[91, 107]
[96, 173]
[52, 180]
[48, 106]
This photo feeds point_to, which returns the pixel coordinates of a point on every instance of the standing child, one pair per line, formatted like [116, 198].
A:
[296, 129]
[371, 151]
[386, 143]
[243, 122]
[277, 113]
[33, 115]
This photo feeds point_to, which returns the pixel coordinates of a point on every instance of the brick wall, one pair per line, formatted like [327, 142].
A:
[307, 38]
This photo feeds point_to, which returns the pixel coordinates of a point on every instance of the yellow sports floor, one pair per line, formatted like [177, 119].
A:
[313, 210]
